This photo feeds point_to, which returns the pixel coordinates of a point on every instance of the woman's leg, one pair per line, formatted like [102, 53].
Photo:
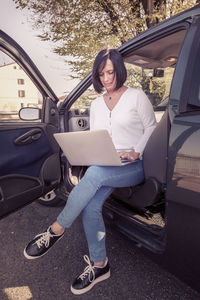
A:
[94, 227]
[94, 178]
[94, 182]
[98, 183]
[94, 224]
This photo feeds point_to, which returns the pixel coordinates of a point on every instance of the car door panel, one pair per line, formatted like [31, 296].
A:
[28, 137]
[21, 153]
[29, 154]
[29, 165]
[18, 193]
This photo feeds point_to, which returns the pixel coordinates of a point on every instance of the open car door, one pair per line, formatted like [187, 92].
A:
[29, 155]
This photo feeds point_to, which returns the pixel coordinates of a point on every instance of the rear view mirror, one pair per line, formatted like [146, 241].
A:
[30, 113]
[158, 73]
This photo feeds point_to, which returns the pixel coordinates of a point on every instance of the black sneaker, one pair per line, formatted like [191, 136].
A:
[91, 275]
[41, 244]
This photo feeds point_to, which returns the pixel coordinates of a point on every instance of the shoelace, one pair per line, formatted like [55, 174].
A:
[89, 270]
[45, 238]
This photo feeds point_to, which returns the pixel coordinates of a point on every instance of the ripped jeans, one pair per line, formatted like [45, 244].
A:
[89, 196]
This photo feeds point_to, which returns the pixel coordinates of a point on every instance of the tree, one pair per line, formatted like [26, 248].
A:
[80, 28]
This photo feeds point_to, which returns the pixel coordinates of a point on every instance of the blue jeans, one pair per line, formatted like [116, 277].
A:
[89, 196]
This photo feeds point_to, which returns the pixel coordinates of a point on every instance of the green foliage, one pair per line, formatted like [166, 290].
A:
[155, 88]
[79, 29]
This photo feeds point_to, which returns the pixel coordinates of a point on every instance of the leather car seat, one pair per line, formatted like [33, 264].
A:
[155, 169]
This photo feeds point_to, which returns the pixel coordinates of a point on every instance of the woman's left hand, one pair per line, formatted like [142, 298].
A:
[129, 155]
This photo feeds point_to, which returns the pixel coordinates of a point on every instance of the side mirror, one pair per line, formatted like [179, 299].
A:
[30, 113]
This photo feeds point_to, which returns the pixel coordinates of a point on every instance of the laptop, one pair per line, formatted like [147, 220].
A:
[87, 148]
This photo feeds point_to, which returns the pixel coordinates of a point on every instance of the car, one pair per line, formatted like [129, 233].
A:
[162, 214]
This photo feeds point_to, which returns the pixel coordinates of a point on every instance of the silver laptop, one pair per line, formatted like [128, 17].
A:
[87, 148]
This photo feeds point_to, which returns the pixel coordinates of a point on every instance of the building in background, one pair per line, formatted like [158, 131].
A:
[16, 90]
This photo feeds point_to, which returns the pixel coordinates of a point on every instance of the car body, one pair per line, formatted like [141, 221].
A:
[162, 215]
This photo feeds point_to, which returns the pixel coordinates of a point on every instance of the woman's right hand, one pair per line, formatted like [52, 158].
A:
[129, 155]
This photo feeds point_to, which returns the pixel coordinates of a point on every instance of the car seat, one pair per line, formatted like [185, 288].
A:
[155, 165]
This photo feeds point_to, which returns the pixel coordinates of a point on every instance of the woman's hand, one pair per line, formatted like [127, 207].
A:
[129, 155]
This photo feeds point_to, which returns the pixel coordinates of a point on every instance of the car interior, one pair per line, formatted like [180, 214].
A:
[152, 64]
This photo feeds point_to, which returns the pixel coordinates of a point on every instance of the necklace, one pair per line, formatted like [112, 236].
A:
[115, 94]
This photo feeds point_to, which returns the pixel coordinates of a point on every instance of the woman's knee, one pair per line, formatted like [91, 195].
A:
[92, 171]
[94, 176]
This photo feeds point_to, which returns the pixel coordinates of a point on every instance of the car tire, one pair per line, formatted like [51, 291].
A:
[52, 198]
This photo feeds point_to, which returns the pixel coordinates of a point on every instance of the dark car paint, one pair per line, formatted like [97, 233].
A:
[178, 247]
[183, 202]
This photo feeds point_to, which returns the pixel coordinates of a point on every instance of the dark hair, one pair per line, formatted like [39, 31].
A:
[99, 64]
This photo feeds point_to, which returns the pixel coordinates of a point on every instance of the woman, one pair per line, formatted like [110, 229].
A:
[128, 116]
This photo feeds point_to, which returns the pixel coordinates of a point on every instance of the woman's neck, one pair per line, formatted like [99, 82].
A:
[110, 94]
[112, 98]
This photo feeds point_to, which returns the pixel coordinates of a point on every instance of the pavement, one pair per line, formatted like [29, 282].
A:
[133, 275]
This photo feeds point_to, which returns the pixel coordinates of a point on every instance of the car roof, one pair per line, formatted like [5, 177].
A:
[164, 50]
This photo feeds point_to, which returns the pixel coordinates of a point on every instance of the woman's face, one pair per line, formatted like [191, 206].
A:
[107, 76]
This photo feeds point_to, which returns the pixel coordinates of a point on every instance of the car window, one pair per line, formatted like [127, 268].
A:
[155, 83]
[16, 90]
[194, 95]
[84, 101]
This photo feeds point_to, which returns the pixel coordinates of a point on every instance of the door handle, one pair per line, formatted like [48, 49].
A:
[28, 137]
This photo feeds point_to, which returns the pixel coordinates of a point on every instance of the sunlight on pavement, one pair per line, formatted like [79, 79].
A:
[18, 293]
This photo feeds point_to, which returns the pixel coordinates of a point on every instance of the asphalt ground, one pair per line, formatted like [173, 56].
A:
[133, 275]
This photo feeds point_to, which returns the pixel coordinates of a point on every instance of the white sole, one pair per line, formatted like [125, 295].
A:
[35, 257]
[87, 289]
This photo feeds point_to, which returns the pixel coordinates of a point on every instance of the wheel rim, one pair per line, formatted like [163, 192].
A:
[49, 196]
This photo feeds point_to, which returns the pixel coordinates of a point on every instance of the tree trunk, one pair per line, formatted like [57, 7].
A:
[152, 6]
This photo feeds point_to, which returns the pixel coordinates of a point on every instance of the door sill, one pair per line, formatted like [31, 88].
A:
[135, 226]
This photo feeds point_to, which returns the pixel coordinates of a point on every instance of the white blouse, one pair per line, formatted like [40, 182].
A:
[130, 123]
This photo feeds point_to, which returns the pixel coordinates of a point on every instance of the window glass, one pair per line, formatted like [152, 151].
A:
[155, 83]
[194, 96]
[16, 90]
[85, 100]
